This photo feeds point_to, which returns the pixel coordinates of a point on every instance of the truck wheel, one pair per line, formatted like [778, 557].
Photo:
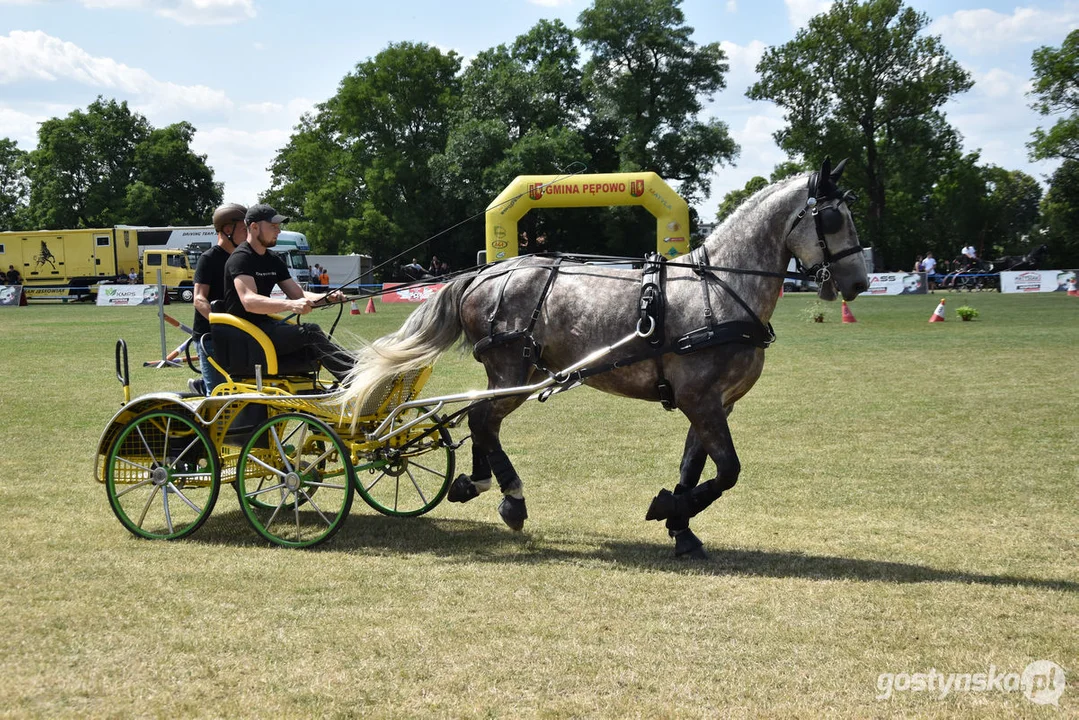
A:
[186, 294]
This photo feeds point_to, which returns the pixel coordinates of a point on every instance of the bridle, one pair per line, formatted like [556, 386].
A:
[827, 220]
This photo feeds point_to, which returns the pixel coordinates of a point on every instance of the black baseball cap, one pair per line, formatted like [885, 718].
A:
[262, 212]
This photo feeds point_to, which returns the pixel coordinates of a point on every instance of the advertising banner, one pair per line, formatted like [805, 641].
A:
[10, 294]
[897, 284]
[126, 295]
[1032, 281]
[413, 294]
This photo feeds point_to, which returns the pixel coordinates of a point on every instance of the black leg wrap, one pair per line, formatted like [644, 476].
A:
[513, 512]
[677, 523]
[684, 505]
[507, 477]
[686, 544]
[481, 468]
[462, 489]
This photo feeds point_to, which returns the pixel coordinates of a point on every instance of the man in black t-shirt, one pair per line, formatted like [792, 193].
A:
[210, 286]
[251, 273]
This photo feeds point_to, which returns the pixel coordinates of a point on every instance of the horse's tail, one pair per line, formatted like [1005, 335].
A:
[428, 332]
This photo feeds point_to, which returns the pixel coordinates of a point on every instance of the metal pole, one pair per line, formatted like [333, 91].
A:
[161, 317]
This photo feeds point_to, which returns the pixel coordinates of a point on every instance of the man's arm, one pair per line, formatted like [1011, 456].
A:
[293, 290]
[202, 299]
[262, 305]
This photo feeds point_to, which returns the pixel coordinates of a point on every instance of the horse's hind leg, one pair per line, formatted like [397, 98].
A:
[709, 436]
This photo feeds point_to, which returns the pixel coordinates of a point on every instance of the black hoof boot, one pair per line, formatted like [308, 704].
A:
[688, 545]
[462, 489]
[663, 506]
[513, 512]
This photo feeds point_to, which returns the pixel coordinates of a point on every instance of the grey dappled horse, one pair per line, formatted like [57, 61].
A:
[532, 315]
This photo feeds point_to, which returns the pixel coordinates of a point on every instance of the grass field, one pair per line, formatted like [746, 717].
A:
[908, 503]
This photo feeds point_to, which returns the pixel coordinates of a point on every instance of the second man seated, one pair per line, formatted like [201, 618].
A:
[251, 274]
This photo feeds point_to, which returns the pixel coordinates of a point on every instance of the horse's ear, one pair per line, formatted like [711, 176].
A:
[838, 170]
[826, 167]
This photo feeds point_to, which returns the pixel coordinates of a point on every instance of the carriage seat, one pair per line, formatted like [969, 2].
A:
[239, 345]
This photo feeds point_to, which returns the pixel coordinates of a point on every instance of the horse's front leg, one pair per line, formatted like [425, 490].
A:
[709, 436]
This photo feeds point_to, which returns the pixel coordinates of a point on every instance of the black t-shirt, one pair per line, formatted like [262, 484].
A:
[210, 270]
[267, 270]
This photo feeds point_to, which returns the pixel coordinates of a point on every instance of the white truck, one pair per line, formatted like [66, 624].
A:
[347, 271]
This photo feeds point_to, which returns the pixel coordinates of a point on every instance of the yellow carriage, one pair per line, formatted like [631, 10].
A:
[293, 452]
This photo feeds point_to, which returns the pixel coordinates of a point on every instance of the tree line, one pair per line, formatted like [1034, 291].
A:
[415, 141]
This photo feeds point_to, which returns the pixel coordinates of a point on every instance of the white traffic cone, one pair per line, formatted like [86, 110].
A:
[353, 310]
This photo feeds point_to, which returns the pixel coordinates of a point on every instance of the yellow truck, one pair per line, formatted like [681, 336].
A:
[73, 263]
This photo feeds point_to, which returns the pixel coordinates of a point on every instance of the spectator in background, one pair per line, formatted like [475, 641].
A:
[929, 267]
[918, 266]
[313, 283]
[324, 279]
[13, 276]
[969, 252]
[133, 276]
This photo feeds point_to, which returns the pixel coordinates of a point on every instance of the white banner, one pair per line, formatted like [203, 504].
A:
[10, 294]
[897, 284]
[126, 295]
[1029, 281]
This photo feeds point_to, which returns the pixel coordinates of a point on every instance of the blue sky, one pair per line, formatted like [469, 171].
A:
[243, 71]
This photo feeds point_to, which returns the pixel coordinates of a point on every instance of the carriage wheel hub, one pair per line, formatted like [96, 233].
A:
[159, 475]
[292, 481]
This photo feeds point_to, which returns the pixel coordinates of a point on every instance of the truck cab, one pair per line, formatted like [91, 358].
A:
[177, 274]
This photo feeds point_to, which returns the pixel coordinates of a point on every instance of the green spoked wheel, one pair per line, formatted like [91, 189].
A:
[411, 478]
[162, 476]
[294, 480]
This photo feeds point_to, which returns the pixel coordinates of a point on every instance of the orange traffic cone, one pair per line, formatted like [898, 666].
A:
[1073, 289]
[353, 310]
[370, 305]
[938, 314]
[848, 316]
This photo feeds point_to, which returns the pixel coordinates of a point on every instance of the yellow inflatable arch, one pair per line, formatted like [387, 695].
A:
[599, 190]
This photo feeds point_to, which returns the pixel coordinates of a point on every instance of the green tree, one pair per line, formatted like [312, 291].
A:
[734, 198]
[107, 165]
[854, 83]
[1013, 201]
[82, 166]
[14, 186]
[173, 185]
[1060, 216]
[646, 80]
[1056, 89]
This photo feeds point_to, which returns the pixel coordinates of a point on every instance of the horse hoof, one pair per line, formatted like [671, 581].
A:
[513, 512]
[663, 506]
[688, 545]
[462, 489]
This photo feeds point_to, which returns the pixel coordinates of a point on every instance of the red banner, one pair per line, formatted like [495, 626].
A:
[412, 294]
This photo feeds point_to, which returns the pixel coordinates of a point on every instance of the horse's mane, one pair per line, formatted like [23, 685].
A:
[738, 221]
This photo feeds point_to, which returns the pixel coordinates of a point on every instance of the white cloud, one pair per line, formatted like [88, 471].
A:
[987, 31]
[240, 158]
[732, 6]
[799, 11]
[185, 12]
[36, 57]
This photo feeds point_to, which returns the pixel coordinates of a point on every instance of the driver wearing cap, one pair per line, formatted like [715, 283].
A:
[251, 273]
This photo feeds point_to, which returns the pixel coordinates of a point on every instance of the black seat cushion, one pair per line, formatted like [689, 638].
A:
[238, 353]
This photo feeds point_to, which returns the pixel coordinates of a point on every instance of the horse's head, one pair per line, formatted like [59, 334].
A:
[827, 244]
